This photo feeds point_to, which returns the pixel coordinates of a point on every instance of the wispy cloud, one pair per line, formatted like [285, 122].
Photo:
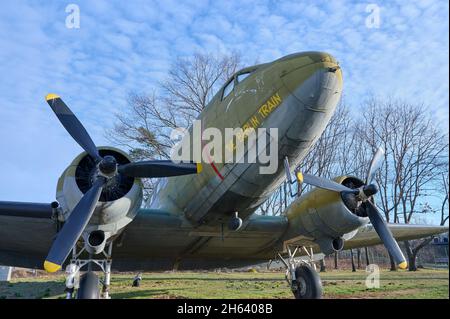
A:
[123, 46]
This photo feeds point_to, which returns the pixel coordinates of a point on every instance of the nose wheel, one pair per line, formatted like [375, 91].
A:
[87, 285]
[88, 289]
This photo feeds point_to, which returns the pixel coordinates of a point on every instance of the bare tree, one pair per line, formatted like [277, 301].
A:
[192, 82]
[413, 250]
[415, 155]
[373, 130]
[144, 127]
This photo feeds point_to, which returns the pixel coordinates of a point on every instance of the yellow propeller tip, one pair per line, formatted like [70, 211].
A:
[300, 177]
[403, 265]
[199, 167]
[51, 267]
[51, 96]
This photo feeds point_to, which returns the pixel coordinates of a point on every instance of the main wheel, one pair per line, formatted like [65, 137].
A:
[308, 283]
[89, 284]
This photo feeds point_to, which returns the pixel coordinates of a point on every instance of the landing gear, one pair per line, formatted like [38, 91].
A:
[309, 285]
[301, 275]
[87, 286]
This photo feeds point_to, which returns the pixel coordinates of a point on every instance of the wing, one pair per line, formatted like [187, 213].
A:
[159, 240]
[366, 236]
[26, 233]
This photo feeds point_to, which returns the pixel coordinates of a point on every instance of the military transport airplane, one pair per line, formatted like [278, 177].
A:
[98, 214]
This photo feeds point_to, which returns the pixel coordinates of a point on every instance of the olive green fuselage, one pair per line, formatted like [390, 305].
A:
[297, 95]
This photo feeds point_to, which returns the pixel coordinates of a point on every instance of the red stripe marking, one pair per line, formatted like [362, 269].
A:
[209, 158]
[216, 170]
[212, 164]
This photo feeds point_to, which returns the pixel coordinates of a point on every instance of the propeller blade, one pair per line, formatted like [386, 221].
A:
[375, 164]
[385, 234]
[324, 183]
[72, 125]
[73, 227]
[159, 168]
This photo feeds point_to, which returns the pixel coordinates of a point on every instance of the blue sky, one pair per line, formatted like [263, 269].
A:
[129, 45]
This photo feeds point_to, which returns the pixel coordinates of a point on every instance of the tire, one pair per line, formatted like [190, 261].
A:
[309, 285]
[89, 284]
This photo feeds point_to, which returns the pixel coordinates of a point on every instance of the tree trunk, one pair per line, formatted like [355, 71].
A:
[336, 260]
[358, 257]
[353, 261]
[366, 250]
[411, 257]
[322, 265]
[412, 252]
[412, 266]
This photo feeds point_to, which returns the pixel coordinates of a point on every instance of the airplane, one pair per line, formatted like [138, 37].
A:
[202, 215]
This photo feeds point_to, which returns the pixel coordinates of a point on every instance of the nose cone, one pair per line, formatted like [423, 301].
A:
[314, 78]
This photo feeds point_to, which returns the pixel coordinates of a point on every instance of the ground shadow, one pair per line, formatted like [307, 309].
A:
[198, 279]
[148, 293]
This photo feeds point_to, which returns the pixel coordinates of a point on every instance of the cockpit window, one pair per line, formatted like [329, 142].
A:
[228, 88]
[241, 77]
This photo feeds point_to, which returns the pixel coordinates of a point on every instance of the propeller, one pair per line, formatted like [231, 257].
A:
[73, 125]
[364, 194]
[325, 183]
[107, 168]
[73, 227]
[375, 164]
[385, 234]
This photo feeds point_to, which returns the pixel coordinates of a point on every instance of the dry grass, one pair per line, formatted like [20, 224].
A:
[425, 283]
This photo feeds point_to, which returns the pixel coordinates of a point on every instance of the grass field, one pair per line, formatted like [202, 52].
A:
[424, 283]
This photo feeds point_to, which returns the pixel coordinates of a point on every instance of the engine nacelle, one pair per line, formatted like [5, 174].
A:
[119, 201]
[325, 217]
